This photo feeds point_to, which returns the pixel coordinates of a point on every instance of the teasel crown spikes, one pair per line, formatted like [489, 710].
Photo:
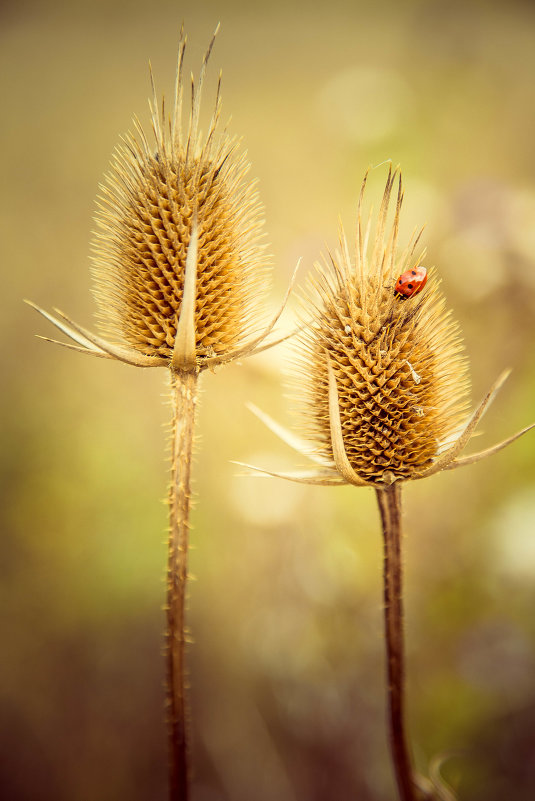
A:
[179, 263]
[381, 380]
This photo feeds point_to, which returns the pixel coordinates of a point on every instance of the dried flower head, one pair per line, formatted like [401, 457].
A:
[381, 377]
[397, 363]
[179, 261]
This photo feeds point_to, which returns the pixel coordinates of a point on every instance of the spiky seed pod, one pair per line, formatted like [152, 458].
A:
[179, 261]
[381, 379]
[184, 206]
[146, 211]
[139, 269]
[398, 364]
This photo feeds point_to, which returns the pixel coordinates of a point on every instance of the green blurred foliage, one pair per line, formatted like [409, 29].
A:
[287, 664]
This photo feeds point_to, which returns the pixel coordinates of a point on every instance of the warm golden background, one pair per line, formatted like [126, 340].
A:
[287, 666]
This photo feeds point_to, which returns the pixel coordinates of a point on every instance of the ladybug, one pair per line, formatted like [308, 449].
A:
[411, 282]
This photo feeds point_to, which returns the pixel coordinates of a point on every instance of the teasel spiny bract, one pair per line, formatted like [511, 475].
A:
[180, 274]
[382, 385]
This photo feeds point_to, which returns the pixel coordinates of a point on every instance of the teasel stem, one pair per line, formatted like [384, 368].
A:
[389, 500]
[184, 390]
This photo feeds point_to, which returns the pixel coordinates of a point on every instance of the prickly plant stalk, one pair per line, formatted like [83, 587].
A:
[389, 501]
[184, 402]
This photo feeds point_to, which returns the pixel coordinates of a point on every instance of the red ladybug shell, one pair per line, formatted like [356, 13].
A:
[411, 282]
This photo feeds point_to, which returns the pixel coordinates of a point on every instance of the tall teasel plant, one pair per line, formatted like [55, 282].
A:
[180, 275]
[382, 384]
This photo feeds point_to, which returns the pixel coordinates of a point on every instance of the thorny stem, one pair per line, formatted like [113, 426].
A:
[184, 389]
[389, 500]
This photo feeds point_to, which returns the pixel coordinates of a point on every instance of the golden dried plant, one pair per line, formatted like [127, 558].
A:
[382, 383]
[180, 275]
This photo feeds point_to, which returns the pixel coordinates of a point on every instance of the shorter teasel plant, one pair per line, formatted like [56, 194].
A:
[180, 278]
[382, 386]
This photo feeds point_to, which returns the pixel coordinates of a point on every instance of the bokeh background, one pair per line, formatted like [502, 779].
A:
[287, 661]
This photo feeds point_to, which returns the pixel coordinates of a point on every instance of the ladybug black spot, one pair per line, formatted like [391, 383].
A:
[413, 272]
[409, 286]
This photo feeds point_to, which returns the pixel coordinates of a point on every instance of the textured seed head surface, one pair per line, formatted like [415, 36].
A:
[399, 364]
[146, 209]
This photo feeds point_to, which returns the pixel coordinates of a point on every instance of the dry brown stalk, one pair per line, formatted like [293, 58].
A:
[180, 276]
[185, 399]
[389, 501]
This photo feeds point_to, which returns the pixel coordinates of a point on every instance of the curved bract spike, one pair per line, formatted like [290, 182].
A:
[122, 354]
[94, 344]
[287, 436]
[77, 348]
[475, 457]
[448, 456]
[251, 348]
[324, 479]
[155, 113]
[267, 345]
[70, 332]
[176, 128]
[195, 122]
[184, 353]
[442, 790]
[339, 453]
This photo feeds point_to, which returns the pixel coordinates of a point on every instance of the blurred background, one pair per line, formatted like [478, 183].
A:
[287, 662]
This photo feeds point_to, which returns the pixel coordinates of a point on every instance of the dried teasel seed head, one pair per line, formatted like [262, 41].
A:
[395, 365]
[150, 202]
